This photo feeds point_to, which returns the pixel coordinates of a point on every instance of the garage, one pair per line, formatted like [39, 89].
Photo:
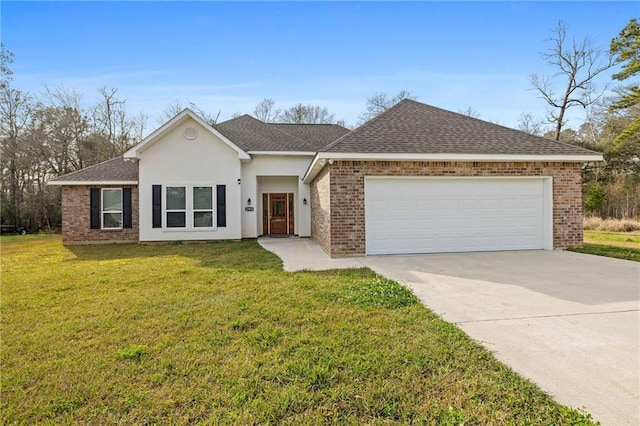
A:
[406, 215]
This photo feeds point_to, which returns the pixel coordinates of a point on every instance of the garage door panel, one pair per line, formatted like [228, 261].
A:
[425, 215]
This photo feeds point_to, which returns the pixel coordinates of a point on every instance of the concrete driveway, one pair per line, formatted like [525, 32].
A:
[569, 322]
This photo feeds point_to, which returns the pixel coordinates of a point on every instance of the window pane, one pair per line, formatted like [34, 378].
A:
[203, 219]
[111, 200]
[112, 220]
[202, 199]
[176, 199]
[176, 220]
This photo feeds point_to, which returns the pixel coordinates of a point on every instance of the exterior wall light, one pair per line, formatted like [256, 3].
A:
[249, 201]
[304, 201]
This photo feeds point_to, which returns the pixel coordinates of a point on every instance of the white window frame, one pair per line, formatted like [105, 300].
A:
[185, 210]
[103, 211]
[189, 207]
[211, 210]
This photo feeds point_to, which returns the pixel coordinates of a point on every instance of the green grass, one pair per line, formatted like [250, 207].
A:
[618, 239]
[217, 333]
[609, 251]
[620, 245]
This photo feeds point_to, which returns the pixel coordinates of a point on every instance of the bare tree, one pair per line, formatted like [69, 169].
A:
[381, 102]
[112, 126]
[265, 111]
[15, 112]
[6, 58]
[176, 108]
[173, 109]
[577, 64]
[470, 112]
[529, 124]
[306, 114]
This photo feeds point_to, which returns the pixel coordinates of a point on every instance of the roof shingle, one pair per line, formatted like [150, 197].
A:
[414, 127]
[318, 135]
[251, 134]
[114, 170]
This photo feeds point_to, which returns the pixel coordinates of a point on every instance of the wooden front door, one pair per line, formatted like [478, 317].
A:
[277, 214]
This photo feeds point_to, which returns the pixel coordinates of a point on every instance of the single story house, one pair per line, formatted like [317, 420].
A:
[415, 179]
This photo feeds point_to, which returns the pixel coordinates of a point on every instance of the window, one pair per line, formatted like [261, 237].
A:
[202, 207]
[176, 207]
[192, 207]
[111, 208]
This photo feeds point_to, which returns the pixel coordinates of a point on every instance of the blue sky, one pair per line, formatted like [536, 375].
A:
[227, 56]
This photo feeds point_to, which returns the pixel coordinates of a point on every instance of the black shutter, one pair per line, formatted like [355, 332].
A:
[126, 207]
[221, 205]
[157, 207]
[94, 201]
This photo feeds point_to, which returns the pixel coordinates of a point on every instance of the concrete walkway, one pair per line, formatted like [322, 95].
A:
[569, 322]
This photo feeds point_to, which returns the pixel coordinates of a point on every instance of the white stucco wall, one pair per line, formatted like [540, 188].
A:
[275, 173]
[176, 161]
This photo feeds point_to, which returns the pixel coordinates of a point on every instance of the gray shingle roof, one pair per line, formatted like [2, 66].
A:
[251, 134]
[318, 135]
[414, 127]
[116, 170]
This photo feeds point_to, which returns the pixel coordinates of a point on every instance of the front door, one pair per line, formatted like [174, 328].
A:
[278, 214]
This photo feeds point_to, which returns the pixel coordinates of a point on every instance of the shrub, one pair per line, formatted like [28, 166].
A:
[594, 223]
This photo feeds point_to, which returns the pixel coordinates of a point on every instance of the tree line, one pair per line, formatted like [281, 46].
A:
[53, 133]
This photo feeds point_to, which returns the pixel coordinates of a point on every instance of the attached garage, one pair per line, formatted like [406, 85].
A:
[454, 214]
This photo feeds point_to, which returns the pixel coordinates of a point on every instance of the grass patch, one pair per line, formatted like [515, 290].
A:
[132, 352]
[217, 333]
[617, 239]
[625, 253]
[619, 245]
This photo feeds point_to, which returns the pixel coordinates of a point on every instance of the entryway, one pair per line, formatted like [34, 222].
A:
[277, 214]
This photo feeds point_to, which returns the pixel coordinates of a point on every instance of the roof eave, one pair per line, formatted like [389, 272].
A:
[91, 182]
[322, 158]
[283, 153]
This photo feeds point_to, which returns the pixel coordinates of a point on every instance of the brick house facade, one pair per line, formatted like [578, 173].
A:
[76, 227]
[510, 190]
[337, 196]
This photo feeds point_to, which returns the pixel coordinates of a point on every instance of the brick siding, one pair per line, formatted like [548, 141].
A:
[76, 220]
[343, 232]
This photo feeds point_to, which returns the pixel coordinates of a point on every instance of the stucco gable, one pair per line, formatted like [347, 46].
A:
[170, 125]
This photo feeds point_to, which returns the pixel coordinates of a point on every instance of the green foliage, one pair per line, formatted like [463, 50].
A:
[132, 352]
[594, 197]
[626, 47]
[235, 341]
[62, 406]
[377, 293]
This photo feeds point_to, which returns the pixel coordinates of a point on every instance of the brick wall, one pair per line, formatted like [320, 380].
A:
[76, 218]
[346, 224]
[321, 210]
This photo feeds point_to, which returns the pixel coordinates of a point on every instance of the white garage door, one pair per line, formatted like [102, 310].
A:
[433, 215]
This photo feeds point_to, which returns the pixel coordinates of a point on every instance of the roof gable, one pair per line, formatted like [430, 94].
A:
[414, 127]
[172, 124]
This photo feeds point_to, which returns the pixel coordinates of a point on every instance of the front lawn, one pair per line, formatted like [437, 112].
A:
[621, 245]
[218, 333]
